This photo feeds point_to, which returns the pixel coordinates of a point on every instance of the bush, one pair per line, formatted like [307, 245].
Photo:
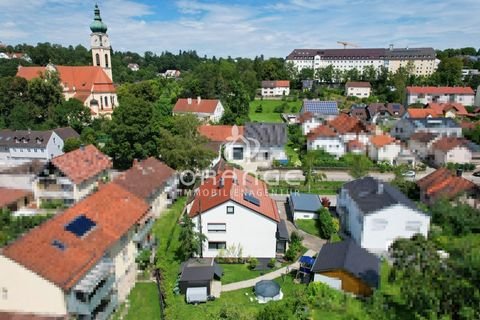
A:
[252, 263]
[259, 109]
[326, 224]
[271, 263]
[281, 108]
[295, 247]
[143, 259]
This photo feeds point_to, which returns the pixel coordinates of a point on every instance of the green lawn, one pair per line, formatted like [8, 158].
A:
[268, 114]
[319, 187]
[144, 303]
[308, 225]
[239, 272]
[292, 155]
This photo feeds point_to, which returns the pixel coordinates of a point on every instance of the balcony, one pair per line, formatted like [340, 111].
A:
[55, 191]
[89, 303]
[143, 231]
[107, 308]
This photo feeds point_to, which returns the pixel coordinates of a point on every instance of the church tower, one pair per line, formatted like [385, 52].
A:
[100, 44]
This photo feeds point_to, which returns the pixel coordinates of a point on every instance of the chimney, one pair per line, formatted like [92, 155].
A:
[82, 147]
[459, 172]
[390, 47]
[380, 188]
[199, 99]
[135, 162]
[189, 100]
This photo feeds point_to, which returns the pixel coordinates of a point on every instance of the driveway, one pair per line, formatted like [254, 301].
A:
[310, 242]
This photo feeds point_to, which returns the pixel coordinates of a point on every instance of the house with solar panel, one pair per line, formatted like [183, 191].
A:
[78, 265]
[326, 110]
[375, 214]
[237, 216]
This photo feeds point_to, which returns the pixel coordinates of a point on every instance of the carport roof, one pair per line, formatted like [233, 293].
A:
[305, 202]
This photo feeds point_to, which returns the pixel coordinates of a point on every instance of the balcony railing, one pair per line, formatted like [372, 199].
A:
[108, 310]
[54, 194]
[77, 306]
[143, 232]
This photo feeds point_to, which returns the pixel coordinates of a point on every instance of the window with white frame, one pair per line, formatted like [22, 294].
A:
[379, 224]
[217, 227]
[413, 226]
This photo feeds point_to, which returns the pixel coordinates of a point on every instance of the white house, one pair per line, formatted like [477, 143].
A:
[151, 180]
[359, 89]
[384, 148]
[375, 214]
[420, 143]
[404, 128]
[309, 121]
[209, 110]
[133, 67]
[325, 138]
[20, 146]
[275, 88]
[79, 264]
[451, 149]
[72, 176]
[424, 95]
[235, 213]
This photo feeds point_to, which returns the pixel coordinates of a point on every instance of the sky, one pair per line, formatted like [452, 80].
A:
[245, 28]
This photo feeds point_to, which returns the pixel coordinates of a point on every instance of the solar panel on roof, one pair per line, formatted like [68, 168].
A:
[250, 198]
[59, 245]
[80, 225]
[320, 107]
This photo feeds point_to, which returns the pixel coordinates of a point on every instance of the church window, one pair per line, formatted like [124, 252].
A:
[101, 102]
[106, 60]
[106, 101]
[97, 59]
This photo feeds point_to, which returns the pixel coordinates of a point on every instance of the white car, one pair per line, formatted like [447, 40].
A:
[409, 174]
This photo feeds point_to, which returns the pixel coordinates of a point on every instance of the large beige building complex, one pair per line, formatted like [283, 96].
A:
[424, 59]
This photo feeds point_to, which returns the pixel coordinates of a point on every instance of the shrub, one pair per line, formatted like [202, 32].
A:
[326, 224]
[252, 263]
[271, 263]
[281, 108]
[259, 109]
[143, 259]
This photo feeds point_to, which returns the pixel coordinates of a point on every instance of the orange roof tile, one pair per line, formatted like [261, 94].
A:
[440, 90]
[9, 196]
[423, 113]
[211, 195]
[443, 183]
[306, 116]
[82, 164]
[448, 143]
[442, 108]
[321, 131]
[355, 145]
[382, 140]
[347, 124]
[219, 133]
[78, 79]
[205, 105]
[282, 84]
[113, 210]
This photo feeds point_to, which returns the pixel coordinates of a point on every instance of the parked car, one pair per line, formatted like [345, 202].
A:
[476, 174]
[409, 174]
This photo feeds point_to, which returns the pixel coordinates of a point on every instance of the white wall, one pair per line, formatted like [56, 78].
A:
[387, 153]
[23, 291]
[309, 125]
[334, 146]
[218, 114]
[304, 215]
[359, 92]
[277, 91]
[377, 239]
[458, 154]
[465, 99]
[17, 181]
[254, 232]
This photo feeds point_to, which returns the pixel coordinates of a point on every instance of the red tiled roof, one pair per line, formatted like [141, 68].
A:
[219, 133]
[10, 196]
[469, 125]
[382, 140]
[358, 84]
[444, 183]
[321, 131]
[282, 84]
[442, 108]
[205, 105]
[82, 164]
[113, 210]
[448, 143]
[355, 145]
[210, 195]
[306, 116]
[440, 90]
[80, 79]
[145, 178]
[347, 124]
[423, 113]
[27, 316]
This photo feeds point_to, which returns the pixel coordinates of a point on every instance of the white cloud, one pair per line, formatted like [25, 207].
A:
[223, 28]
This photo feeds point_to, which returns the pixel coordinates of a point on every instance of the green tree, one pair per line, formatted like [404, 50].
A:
[450, 72]
[325, 224]
[191, 241]
[72, 113]
[71, 144]
[275, 311]
[358, 165]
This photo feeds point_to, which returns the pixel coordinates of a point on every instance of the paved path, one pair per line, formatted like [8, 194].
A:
[269, 276]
